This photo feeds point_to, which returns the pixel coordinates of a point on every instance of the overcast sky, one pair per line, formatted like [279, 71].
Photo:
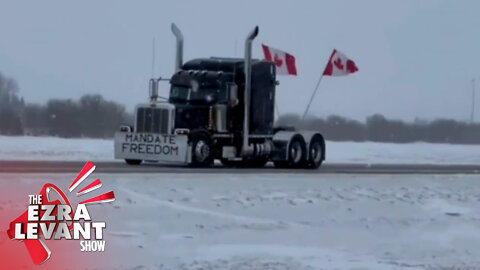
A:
[416, 58]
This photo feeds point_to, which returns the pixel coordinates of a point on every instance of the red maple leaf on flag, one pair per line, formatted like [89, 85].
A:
[278, 60]
[338, 63]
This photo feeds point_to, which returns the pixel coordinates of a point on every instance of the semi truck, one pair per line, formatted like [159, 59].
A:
[217, 109]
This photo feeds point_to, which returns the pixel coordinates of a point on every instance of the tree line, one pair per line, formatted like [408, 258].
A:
[377, 128]
[93, 116]
[90, 116]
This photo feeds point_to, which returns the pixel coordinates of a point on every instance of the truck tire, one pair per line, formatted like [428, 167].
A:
[133, 161]
[315, 153]
[201, 150]
[295, 155]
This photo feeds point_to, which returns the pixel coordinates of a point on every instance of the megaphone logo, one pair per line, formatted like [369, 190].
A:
[37, 249]
[46, 216]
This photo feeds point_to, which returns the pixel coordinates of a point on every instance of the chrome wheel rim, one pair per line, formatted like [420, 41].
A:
[296, 152]
[202, 151]
[316, 153]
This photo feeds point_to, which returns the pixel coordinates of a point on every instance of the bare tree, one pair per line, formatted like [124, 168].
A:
[11, 107]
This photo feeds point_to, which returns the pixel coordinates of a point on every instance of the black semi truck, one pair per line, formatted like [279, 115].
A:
[218, 109]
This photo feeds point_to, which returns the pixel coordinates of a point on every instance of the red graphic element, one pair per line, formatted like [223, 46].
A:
[104, 198]
[338, 63]
[86, 171]
[37, 249]
[278, 61]
[91, 187]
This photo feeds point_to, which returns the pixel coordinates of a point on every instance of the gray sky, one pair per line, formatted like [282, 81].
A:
[416, 58]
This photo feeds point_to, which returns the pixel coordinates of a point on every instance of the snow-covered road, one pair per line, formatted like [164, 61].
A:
[272, 221]
[60, 149]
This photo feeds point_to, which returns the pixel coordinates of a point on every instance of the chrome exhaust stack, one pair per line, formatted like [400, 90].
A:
[153, 90]
[179, 54]
[246, 148]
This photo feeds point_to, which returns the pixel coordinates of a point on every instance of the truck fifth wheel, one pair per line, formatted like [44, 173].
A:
[218, 109]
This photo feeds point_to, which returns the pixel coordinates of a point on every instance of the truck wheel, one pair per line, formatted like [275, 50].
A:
[133, 161]
[296, 154]
[201, 150]
[315, 153]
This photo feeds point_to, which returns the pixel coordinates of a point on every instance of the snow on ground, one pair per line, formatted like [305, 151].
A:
[295, 221]
[397, 153]
[52, 148]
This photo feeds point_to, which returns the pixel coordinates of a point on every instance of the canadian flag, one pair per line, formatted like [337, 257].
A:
[339, 65]
[284, 62]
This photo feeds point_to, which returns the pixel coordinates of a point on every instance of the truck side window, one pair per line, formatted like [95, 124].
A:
[180, 94]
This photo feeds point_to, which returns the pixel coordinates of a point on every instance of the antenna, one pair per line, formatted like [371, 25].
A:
[472, 116]
[153, 57]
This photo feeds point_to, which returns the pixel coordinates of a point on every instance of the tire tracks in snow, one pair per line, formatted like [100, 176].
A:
[217, 214]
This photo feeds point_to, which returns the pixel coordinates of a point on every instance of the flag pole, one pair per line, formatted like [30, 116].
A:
[312, 97]
[316, 87]
[348, 70]
[278, 111]
[153, 57]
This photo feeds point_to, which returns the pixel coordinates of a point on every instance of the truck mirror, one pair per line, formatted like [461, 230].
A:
[233, 94]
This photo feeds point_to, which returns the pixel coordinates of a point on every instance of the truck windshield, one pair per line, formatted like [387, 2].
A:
[183, 94]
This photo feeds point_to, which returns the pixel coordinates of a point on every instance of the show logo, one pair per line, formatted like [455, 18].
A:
[57, 219]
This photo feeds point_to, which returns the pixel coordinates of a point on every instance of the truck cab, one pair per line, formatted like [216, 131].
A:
[217, 109]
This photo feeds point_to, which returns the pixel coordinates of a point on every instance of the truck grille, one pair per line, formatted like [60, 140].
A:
[153, 120]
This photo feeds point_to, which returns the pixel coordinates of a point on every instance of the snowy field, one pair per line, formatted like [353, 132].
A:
[51, 148]
[244, 222]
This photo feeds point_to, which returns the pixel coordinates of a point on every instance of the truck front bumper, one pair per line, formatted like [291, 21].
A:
[153, 147]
